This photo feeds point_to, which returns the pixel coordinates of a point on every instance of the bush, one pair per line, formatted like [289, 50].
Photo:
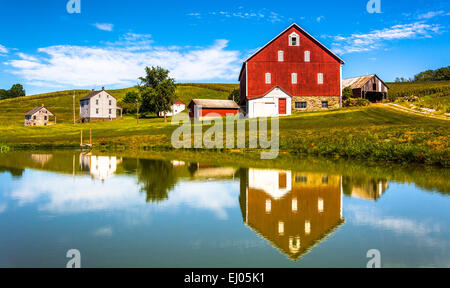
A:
[356, 102]
[347, 93]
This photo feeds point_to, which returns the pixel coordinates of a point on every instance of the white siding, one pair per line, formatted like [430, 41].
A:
[267, 106]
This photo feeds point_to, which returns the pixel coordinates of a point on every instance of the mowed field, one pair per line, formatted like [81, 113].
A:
[375, 132]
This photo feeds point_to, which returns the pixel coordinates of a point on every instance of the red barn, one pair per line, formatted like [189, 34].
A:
[210, 108]
[293, 72]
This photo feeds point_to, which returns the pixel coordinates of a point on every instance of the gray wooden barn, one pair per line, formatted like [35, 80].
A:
[369, 87]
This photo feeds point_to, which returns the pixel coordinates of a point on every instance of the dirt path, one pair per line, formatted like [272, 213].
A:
[415, 112]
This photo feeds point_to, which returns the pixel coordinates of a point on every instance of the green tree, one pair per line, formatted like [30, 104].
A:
[16, 91]
[3, 94]
[132, 97]
[347, 93]
[157, 90]
[235, 96]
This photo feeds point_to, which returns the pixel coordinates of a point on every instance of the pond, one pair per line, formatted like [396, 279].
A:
[133, 211]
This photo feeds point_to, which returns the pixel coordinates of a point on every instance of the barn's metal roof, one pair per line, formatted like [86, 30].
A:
[218, 104]
[360, 81]
[356, 82]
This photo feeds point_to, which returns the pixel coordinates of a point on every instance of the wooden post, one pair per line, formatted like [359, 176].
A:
[74, 120]
[137, 111]
[90, 136]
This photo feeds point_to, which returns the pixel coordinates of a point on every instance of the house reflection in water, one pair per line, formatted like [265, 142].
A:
[211, 172]
[100, 167]
[294, 211]
[370, 189]
[41, 159]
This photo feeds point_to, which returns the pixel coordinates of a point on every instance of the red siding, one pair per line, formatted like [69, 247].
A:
[266, 61]
[221, 112]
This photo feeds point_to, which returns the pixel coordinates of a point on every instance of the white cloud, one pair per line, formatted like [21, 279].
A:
[122, 62]
[103, 232]
[119, 193]
[104, 26]
[3, 50]
[375, 39]
[241, 13]
[430, 14]
[320, 18]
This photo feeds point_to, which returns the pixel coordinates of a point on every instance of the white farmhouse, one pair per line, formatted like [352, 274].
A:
[176, 108]
[98, 105]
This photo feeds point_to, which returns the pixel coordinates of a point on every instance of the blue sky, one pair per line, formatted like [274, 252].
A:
[109, 43]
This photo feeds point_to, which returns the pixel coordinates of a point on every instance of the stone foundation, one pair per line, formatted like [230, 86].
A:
[314, 103]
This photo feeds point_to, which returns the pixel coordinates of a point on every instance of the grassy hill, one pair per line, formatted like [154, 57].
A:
[433, 95]
[375, 132]
[60, 103]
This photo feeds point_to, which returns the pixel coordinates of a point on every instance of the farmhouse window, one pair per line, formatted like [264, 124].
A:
[320, 78]
[325, 104]
[34, 117]
[110, 111]
[96, 111]
[307, 56]
[96, 101]
[110, 102]
[280, 56]
[300, 105]
[294, 39]
[294, 78]
[268, 78]
[45, 117]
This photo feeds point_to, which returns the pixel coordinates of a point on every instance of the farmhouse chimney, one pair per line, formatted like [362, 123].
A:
[103, 88]
[93, 90]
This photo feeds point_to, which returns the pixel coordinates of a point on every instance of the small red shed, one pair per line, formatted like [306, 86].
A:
[210, 108]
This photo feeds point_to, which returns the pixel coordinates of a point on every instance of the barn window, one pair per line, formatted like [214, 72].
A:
[268, 78]
[294, 78]
[294, 39]
[280, 56]
[374, 86]
[320, 78]
[307, 56]
[325, 104]
[300, 105]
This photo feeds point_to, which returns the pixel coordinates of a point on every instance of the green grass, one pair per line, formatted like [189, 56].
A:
[432, 95]
[60, 103]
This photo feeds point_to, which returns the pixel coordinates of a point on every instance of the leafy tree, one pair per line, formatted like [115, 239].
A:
[235, 96]
[157, 91]
[347, 93]
[3, 94]
[131, 97]
[16, 91]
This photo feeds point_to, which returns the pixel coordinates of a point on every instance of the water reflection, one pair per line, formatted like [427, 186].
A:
[100, 167]
[292, 210]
